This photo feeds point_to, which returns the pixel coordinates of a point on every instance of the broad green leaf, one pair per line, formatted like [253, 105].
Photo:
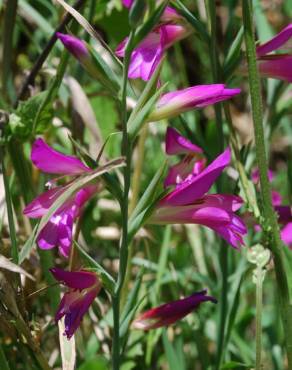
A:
[21, 122]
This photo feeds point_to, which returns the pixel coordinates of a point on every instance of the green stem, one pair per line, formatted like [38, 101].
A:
[135, 193]
[215, 66]
[259, 306]
[8, 28]
[3, 360]
[270, 227]
[123, 257]
[12, 232]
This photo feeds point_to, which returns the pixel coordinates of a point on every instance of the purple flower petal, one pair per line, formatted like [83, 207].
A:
[276, 66]
[74, 45]
[189, 191]
[277, 42]
[286, 234]
[147, 55]
[284, 213]
[176, 102]
[75, 279]
[169, 313]
[49, 160]
[177, 144]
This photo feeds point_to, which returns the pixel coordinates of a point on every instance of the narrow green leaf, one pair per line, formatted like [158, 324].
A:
[14, 248]
[145, 28]
[133, 296]
[172, 358]
[149, 194]
[107, 280]
[195, 22]
[28, 245]
[3, 361]
[140, 118]
[148, 91]
[103, 73]
[234, 55]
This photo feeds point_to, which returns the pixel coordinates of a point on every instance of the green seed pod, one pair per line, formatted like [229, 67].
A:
[137, 12]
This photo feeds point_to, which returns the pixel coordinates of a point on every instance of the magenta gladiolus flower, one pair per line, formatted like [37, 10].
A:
[188, 202]
[174, 103]
[83, 286]
[147, 55]
[277, 66]
[58, 231]
[171, 312]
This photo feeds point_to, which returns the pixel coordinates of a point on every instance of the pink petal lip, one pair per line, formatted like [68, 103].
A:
[169, 313]
[50, 161]
[177, 144]
[277, 42]
[188, 192]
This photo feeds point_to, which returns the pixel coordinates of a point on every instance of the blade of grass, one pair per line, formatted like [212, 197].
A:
[12, 232]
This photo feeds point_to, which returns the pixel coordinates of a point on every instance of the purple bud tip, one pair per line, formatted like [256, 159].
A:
[74, 45]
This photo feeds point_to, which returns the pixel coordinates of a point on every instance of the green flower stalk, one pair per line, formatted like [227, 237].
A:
[270, 225]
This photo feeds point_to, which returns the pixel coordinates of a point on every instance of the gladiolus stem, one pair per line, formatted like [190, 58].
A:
[259, 306]
[271, 227]
[211, 11]
[123, 258]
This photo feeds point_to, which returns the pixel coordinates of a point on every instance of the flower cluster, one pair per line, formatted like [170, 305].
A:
[84, 285]
[187, 183]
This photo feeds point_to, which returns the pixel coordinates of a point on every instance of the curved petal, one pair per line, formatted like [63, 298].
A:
[75, 279]
[189, 191]
[175, 143]
[49, 160]
[277, 42]
[168, 313]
